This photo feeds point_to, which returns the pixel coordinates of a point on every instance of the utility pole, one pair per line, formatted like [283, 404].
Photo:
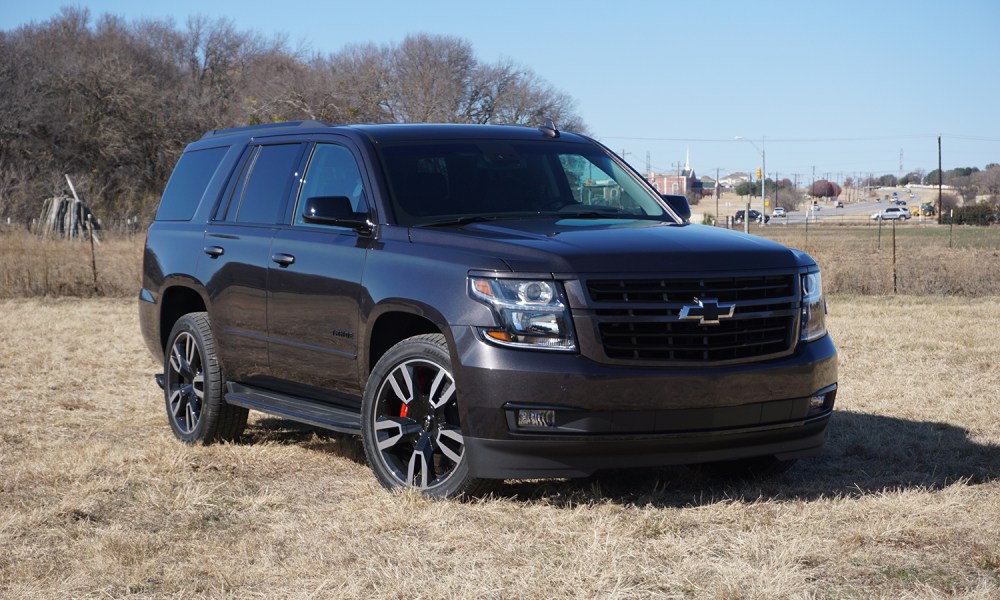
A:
[763, 171]
[763, 194]
[677, 181]
[940, 183]
[777, 186]
[717, 192]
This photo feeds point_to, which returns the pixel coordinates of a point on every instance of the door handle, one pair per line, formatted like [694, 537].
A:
[282, 259]
[214, 251]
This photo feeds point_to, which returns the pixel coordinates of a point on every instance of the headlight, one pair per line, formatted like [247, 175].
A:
[531, 312]
[813, 308]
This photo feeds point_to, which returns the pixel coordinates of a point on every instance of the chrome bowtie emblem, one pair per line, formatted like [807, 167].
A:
[707, 311]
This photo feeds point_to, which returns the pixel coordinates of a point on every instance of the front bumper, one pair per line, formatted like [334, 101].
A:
[622, 417]
[582, 456]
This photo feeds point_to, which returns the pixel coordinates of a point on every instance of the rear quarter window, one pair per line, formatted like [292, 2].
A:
[188, 183]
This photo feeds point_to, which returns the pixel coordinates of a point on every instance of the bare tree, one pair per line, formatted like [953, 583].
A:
[988, 182]
[822, 188]
[113, 103]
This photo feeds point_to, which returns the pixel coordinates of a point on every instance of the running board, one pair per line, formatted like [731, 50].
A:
[295, 408]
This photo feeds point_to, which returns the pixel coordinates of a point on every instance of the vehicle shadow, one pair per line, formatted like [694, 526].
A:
[864, 454]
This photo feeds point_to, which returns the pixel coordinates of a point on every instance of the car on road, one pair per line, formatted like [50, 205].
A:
[754, 216]
[779, 212]
[458, 299]
[839, 204]
[892, 213]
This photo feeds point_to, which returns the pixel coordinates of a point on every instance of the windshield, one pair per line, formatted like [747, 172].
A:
[462, 181]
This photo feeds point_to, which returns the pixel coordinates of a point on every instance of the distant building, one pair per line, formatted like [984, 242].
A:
[682, 182]
[734, 179]
[708, 186]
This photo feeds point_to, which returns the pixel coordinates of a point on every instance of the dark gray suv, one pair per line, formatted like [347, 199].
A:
[477, 303]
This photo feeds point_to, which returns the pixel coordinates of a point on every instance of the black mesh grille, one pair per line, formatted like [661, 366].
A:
[639, 319]
[728, 289]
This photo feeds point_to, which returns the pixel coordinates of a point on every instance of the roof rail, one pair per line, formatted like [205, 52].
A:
[265, 127]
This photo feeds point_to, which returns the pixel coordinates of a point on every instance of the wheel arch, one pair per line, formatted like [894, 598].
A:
[176, 301]
[393, 323]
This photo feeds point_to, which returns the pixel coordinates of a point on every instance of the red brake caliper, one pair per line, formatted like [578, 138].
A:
[404, 409]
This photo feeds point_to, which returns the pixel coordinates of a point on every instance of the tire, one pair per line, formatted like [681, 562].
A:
[410, 424]
[193, 386]
[758, 467]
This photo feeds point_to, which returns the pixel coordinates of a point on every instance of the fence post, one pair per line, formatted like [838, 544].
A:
[951, 227]
[894, 288]
[93, 255]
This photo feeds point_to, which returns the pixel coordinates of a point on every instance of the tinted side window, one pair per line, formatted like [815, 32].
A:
[187, 184]
[271, 176]
[332, 171]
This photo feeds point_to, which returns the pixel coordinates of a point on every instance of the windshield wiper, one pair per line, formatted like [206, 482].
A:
[607, 215]
[458, 221]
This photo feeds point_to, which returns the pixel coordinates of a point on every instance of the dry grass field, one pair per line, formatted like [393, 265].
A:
[855, 260]
[929, 259]
[98, 500]
[31, 266]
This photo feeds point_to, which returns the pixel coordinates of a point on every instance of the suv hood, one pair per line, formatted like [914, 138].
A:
[576, 245]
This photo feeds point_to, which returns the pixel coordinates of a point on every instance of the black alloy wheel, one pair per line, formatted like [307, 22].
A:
[193, 385]
[411, 427]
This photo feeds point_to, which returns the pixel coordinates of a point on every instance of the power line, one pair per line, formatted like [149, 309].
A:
[970, 138]
[798, 140]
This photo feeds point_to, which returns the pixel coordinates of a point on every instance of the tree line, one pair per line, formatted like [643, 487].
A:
[969, 182]
[784, 193]
[112, 102]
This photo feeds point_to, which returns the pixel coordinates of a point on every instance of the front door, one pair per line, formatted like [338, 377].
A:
[315, 283]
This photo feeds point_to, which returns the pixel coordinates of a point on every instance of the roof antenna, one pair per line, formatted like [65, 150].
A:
[549, 129]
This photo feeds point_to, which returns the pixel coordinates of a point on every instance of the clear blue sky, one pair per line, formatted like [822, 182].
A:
[840, 86]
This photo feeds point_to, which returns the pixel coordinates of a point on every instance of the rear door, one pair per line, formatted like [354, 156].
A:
[238, 244]
[315, 293]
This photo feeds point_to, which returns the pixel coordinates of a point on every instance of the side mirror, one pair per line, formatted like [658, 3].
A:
[679, 204]
[334, 210]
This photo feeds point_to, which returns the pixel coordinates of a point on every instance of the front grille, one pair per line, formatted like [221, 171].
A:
[639, 319]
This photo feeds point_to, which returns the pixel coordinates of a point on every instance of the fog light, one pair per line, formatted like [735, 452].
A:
[817, 402]
[536, 418]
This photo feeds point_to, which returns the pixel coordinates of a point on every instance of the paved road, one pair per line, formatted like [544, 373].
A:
[856, 211]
